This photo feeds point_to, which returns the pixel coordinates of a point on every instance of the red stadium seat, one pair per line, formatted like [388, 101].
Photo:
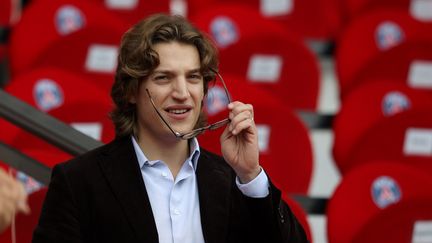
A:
[133, 11]
[369, 36]
[91, 52]
[419, 9]
[390, 196]
[284, 65]
[311, 19]
[366, 107]
[405, 137]
[410, 62]
[49, 89]
[55, 19]
[285, 147]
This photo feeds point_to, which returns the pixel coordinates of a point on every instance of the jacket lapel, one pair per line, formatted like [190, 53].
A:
[214, 188]
[121, 168]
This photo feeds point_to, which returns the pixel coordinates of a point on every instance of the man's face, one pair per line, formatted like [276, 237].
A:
[177, 89]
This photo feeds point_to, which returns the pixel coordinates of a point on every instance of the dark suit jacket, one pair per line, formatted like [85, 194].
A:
[101, 197]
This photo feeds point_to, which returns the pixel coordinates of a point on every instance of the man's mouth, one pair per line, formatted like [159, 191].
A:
[178, 111]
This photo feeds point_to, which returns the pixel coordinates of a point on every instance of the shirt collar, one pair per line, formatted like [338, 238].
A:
[194, 153]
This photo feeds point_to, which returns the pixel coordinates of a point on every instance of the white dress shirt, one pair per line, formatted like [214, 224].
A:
[175, 203]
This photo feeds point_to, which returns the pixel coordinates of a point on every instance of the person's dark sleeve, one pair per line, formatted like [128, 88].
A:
[273, 221]
[59, 221]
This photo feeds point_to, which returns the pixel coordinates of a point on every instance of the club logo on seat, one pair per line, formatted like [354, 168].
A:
[224, 31]
[388, 34]
[69, 19]
[385, 191]
[47, 95]
[395, 102]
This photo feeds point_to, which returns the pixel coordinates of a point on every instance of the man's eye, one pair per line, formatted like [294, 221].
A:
[160, 77]
[195, 76]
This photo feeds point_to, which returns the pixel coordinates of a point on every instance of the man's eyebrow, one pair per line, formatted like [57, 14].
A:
[196, 70]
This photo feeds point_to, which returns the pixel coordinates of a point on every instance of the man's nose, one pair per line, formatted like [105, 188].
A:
[180, 89]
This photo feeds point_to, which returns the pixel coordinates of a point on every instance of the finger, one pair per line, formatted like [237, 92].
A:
[22, 204]
[238, 107]
[242, 125]
[236, 119]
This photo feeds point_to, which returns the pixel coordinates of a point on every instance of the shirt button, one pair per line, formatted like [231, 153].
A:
[164, 174]
[176, 212]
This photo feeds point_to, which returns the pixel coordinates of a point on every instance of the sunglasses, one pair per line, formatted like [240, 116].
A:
[197, 131]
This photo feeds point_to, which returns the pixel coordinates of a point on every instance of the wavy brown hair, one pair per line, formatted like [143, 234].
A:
[137, 59]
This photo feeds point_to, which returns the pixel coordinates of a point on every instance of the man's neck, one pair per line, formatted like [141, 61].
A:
[173, 151]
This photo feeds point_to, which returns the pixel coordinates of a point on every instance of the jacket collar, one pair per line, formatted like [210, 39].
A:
[121, 168]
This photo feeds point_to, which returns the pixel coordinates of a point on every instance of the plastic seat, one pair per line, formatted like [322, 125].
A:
[311, 19]
[91, 52]
[380, 202]
[283, 65]
[55, 19]
[285, 147]
[371, 35]
[404, 137]
[133, 11]
[49, 89]
[419, 9]
[368, 106]
[409, 63]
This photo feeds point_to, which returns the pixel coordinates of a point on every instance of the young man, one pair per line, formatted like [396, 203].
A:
[154, 183]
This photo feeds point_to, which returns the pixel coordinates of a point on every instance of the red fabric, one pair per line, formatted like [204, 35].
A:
[359, 43]
[363, 109]
[385, 140]
[288, 157]
[395, 64]
[316, 19]
[142, 9]
[76, 47]
[74, 91]
[355, 8]
[298, 82]
[352, 207]
[26, 40]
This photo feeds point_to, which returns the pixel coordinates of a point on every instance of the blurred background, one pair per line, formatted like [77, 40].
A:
[342, 92]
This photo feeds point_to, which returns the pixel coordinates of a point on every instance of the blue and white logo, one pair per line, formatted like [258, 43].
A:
[69, 19]
[395, 102]
[216, 101]
[385, 191]
[30, 184]
[47, 94]
[224, 31]
[388, 34]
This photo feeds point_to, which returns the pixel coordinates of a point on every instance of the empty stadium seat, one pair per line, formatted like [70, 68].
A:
[49, 89]
[369, 36]
[405, 137]
[368, 106]
[91, 52]
[45, 21]
[311, 19]
[263, 53]
[390, 196]
[409, 62]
